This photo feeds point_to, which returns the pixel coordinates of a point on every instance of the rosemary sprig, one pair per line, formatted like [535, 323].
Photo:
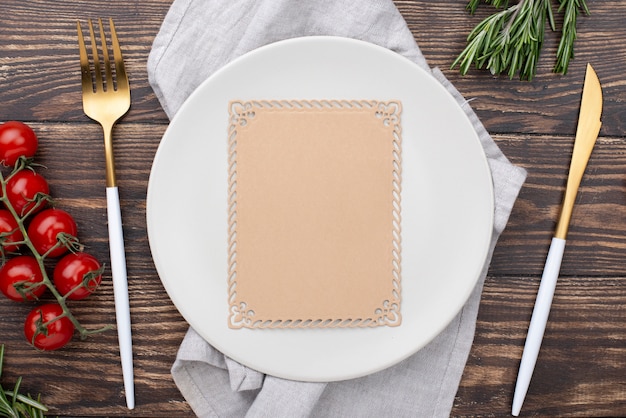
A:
[15, 405]
[473, 4]
[510, 40]
[571, 9]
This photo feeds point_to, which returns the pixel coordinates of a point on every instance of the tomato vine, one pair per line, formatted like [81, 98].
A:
[54, 242]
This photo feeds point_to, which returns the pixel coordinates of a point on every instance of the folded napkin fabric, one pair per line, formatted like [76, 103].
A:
[196, 39]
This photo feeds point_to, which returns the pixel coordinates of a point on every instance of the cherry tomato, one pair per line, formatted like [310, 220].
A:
[78, 273]
[21, 272]
[22, 189]
[52, 336]
[9, 231]
[45, 228]
[16, 139]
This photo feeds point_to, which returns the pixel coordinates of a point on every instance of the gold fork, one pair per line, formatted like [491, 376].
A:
[106, 98]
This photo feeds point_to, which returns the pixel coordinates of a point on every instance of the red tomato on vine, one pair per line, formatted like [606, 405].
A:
[19, 277]
[44, 230]
[77, 275]
[16, 139]
[47, 328]
[48, 233]
[10, 234]
[22, 190]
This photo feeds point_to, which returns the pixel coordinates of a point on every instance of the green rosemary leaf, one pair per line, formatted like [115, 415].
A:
[27, 400]
[565, 52]
[472, 5]
[480, 42]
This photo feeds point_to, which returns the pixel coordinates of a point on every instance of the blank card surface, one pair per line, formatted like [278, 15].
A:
[314, 214]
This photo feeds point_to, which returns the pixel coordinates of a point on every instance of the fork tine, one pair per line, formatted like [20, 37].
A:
[96, 58]
[120, 70]
[85, 71]
[105, 55]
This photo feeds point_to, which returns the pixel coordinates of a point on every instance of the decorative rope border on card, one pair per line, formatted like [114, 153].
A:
[241, 114]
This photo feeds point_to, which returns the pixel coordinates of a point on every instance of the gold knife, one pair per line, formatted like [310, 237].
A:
[586, 134]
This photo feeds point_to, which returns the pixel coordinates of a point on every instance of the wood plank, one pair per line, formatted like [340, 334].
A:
[581, 359]
[39, 63]
[39, 56]
[548, 104]
[597, 235]
[73, 162]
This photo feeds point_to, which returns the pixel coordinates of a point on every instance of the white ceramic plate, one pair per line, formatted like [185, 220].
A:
[447, 205]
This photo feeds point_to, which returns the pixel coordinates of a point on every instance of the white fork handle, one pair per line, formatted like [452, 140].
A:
[120, 291]
[538, 321]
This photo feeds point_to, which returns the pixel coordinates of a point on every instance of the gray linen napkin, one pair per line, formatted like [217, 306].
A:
[197, 38]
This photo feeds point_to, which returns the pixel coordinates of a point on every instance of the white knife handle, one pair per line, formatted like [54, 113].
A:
[120, 292]
[538, 321]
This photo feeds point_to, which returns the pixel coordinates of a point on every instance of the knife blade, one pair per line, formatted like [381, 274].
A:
[586, 134]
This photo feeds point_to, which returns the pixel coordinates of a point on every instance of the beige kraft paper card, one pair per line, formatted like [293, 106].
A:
[314, 214]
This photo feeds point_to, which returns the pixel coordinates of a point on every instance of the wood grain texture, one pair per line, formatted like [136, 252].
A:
[581, 370]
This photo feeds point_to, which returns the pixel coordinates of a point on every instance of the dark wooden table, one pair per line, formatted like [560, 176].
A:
[581, 370]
